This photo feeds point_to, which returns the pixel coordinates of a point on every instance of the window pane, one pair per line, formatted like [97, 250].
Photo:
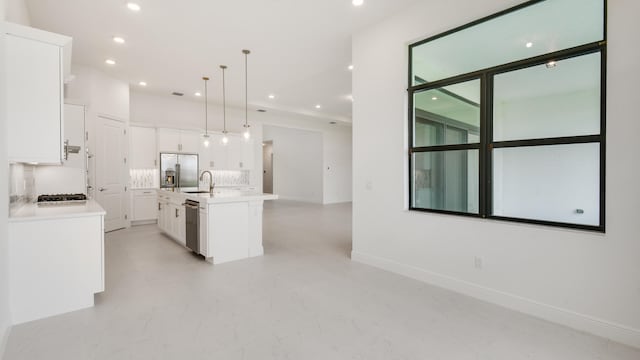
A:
[558, 183]
[548, 101]
[446, 180]
[547, 26]
[447, 115]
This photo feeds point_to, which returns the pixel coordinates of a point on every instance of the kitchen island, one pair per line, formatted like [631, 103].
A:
[229, 222]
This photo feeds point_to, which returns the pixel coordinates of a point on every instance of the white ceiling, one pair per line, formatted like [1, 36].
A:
[300, 48]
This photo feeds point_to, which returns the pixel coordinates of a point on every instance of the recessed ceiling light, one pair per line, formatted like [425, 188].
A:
[318, 106]
[271, 96]
[357, 2]
[434, 98]
[118, 39]
[142, 83]
[351, 67]
[133, 6]
[197, 94]
[529, 44]
[110, 62]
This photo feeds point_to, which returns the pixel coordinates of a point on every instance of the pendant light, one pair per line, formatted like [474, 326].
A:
[246, 134]
[225, 139]
[205, 136]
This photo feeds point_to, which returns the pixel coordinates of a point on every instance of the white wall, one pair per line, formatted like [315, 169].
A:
[103, 96]
[14, 11]
[582, 279]
[173, 112]
[297, 163]
[5, 317]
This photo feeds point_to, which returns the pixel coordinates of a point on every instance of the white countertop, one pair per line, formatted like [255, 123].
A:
[223, 196]
[31, 212]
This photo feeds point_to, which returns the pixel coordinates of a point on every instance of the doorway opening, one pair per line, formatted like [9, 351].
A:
[267, 162]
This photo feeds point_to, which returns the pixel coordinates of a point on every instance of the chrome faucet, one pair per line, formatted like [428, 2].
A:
[211, 184]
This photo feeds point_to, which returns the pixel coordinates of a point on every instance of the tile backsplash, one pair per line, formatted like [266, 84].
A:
[149, 178]
[22, 185]
[144, 178]
[230, 178]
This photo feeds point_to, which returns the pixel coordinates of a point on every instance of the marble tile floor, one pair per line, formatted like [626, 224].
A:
[304, 299]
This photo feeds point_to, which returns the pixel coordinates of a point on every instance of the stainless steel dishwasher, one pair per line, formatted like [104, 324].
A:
[192, 232]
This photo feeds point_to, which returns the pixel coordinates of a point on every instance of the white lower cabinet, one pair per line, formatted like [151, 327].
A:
[145, 205]
[171, 217]
[56, 265]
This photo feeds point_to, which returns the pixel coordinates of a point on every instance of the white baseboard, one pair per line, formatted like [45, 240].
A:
[582, 322]
[143, 222]
[297, 199]
[336, 202]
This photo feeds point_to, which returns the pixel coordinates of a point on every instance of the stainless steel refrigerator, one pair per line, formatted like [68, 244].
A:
[178, 170]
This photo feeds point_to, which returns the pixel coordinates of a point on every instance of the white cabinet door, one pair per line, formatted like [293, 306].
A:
[168, 140]
[177, 227]
[145, 205]
[34, 100]
[181, 225]
[204, 156]
[189, 142]
[248, 153]
[234, 153]
[165, 216]
[218, 153]
[143, 148]
[160, 213]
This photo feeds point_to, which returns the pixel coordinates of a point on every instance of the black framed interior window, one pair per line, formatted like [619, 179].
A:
[507, 116]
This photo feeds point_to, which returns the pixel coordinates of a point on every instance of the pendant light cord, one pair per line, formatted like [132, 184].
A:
[224, 101]
[246, 89]
[206, 108]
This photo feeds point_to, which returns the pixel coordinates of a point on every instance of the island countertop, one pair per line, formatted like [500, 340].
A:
[220, 196]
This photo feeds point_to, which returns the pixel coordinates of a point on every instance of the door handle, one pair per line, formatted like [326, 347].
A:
[177, 212]
[102, 189]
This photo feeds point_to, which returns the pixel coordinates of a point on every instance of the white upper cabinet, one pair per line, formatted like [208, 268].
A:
[234, 149]
[34, 67]
[248, 158]
[190, 141]
[240, 153]
[143, 147]
[182, 141]
[168, 140]
[237, 154]
[218, 153]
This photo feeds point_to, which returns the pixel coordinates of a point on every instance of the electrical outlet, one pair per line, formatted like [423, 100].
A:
[477, 262]
[369, 185]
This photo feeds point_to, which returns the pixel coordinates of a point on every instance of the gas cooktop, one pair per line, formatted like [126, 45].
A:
[61, 199]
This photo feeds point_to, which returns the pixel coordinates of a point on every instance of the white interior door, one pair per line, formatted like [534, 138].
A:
[111, 168]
